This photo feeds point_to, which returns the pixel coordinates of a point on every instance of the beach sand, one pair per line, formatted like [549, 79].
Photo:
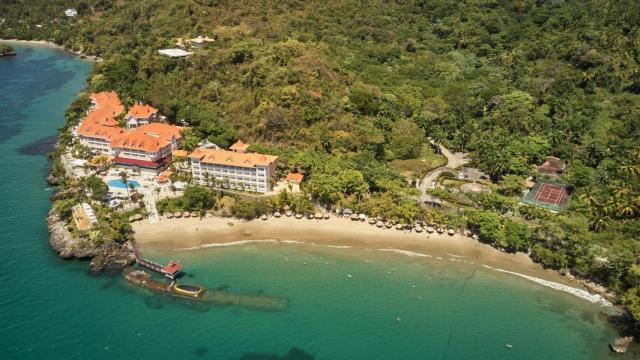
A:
[194, 233]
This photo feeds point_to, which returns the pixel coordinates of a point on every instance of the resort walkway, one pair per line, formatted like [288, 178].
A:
[150, 205]
[454, 160]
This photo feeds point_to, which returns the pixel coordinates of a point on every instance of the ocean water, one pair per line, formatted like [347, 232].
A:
[343, 303]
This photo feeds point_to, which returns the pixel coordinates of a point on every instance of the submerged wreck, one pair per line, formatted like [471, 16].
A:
[201, 294]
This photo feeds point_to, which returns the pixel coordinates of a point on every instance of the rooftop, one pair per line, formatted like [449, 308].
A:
[239, 146]
[141, 111]
[226, 157]
[174, 53]
[296, 177]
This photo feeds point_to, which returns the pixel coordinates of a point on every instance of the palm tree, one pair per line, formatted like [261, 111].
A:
[125, 180]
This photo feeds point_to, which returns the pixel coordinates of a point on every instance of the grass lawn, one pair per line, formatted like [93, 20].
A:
[418, 168]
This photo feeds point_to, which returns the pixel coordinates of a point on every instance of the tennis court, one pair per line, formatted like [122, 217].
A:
[548, 193]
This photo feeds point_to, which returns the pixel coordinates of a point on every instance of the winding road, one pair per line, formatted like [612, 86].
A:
[454, 160]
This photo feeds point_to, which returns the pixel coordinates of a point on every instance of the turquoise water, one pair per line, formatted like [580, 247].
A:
[117, 183]
[392, 307]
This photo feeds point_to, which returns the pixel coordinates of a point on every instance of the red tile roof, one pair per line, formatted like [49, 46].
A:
[138, 140]
[141, 111]
[107, 100]
[162, 131]
[141, 163]
[297, 177]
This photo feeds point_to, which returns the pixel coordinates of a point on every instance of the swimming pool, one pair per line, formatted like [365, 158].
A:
[117, 183]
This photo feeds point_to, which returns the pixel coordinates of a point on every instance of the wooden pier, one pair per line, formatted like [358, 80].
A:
[172, 270]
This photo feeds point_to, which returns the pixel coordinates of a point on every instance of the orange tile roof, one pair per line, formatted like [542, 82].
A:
[297, 177]
[160, 130]
[180, 153]
[107, 100]
[239, 146]
[97, 130]
[138, 140]
[141, 111]
[226, 157]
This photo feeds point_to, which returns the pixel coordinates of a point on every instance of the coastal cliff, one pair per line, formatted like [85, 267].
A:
[103, 256]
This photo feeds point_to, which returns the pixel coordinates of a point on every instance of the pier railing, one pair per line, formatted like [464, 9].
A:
[147, 263]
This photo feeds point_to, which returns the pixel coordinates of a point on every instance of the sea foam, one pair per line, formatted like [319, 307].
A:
[583, 294]
[406, 252]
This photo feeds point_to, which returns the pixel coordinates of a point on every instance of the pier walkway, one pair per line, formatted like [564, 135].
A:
[171, 270]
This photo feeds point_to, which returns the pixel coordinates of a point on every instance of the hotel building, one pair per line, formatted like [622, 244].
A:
[244, 171]
[140, 115]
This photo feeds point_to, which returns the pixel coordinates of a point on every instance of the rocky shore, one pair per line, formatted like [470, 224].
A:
[105, 256]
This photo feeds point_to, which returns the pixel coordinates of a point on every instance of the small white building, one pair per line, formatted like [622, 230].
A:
[174, 53]
[71, 12]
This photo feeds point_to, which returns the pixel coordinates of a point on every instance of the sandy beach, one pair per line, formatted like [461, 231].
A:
[194, 233]
[336, 234]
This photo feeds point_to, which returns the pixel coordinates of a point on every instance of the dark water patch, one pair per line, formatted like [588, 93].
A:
[153, 303]
[223, 287]
[293, 354]
[39, 147]
[200, 351]
[8, 131]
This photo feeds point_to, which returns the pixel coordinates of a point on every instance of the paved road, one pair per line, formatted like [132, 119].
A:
[454, 160]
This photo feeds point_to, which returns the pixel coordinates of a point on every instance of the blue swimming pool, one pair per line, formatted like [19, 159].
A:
[117, 183]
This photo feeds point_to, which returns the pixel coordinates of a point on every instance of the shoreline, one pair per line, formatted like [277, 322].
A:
[192, 234]
[49, 44]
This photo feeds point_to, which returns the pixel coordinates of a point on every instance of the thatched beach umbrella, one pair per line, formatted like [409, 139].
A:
[388, 224]
[169, 215]
[440, 230]
[186, 214]
[372, 221]
[194, 214]
[177, 214]
[430, 229]
[379, 223]
[451, 232]
[327, 216]
[277, 214]
[263, 217]
[362, 217]
[288, 213]
[354, 217]
[399, 227]
[286, 208]
[299, 216]
[418, 229]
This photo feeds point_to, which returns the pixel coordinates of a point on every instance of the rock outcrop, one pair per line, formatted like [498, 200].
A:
[620, 345]
[68, 246]
[53, 180]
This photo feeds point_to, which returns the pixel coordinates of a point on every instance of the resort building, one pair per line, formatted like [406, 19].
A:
[200, 41]
[244, 171]
[100, 127]
[147, 147]
[140, 115]
[239, 147]
[293, 181]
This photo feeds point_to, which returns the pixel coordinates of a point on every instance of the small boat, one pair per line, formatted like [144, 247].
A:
[193, 291]
[509, 346]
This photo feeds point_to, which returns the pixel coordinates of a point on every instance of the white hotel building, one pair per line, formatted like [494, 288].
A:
[244, 171]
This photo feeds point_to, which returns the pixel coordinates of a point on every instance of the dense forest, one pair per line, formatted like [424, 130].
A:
[343, 90]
